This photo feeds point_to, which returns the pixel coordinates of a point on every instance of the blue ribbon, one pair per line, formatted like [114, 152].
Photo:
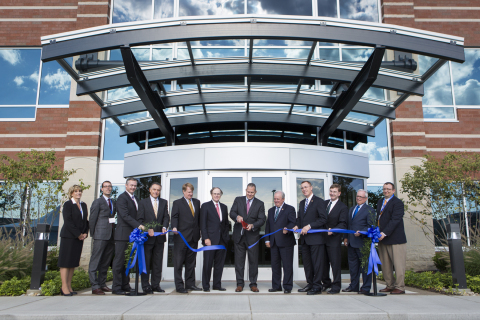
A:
[373, 233]
[139, 237]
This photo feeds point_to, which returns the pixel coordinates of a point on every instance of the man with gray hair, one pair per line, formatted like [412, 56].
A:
[360, 218]
[281, 216]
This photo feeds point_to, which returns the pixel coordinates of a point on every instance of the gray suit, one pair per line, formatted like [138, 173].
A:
[102, 233]
[364, 218]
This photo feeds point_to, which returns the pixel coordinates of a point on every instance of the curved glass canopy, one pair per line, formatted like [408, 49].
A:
[200, 92]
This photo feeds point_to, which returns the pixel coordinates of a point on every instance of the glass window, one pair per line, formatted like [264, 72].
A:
[365, 10]
[161, 54]
[273, 42]
[282, 53]
[350, 186]
[131, 10]
[327, 8]
[121, 93]
[375, 193]
[19, 81]
[438, 89]
[330, 54]
[211, 7]
[176, 193]
[377, 147]
[17, 112]
[211, 53]
[115, 146]
[163, 9]
[289, 7]
[466, 79]
[55, 84]
[438, 112]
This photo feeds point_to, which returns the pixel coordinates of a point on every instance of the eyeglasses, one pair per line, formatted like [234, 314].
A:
[385, 189]
[360, 197]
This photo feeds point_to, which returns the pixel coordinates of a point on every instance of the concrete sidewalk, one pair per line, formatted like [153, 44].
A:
[247, 305]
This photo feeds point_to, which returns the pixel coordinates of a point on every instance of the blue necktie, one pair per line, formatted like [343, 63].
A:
[276, 213]
[355, 212]
[306, 205]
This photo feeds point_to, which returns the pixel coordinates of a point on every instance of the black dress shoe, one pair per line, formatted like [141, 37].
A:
[66, 295]
[194, 288]
[158, 289]
[148, 290]
[287, 291]
[324, 288]
[274, 290]
[206, 290]
[127, 289]
[182, 290]
[363, 292]
[74, 292]
[313, 291]
[333, 291]
[119, 292]
[348, 290]
[305, 289]
[220, 289]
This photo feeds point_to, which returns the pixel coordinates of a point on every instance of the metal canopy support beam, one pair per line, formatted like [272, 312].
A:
[281, 72]
[190, 53]
[150, 98]
[249, 83]
[250, 51]
[349, 98]
[215, 119]
[310, 54]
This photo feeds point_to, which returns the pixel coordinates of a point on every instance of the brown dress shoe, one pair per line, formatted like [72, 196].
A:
[386, 290]
[239, 289]
[106, 289]
[98, 291]
[254, 289]
[397, 291]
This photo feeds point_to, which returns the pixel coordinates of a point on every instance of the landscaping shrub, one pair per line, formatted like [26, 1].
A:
[15, 287]
[16, 257]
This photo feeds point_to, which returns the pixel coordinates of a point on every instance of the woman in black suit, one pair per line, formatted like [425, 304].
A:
[74, 231]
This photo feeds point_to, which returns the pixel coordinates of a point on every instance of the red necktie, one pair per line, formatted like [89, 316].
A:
[248, 206]
[218, 210]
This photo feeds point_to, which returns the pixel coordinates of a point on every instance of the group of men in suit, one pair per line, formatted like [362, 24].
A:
[209, 221]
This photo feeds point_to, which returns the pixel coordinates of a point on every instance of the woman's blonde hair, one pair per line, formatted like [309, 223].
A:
[74, 188]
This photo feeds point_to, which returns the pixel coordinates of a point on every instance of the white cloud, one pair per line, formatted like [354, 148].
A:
[18, 80]
[59, 80]
[34, 76]
[11, 56]
[374, 152]
[121, 93]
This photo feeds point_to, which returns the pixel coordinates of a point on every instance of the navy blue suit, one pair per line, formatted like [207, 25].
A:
[337, 219]
[313, 244]
[364, 219]
[281, 245]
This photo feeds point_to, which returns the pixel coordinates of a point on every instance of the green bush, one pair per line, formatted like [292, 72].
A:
[52, 259]
[441, 261]
[15, 287]
[16, 256]
[52, 287]
[473, 283]
[53, 282]
[472, 263]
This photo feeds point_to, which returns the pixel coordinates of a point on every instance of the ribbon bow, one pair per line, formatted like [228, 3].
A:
[138, 238]
[373, 260]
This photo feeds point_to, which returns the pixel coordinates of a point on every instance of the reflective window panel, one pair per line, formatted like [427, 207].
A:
[19, 81]
[327, 8]
[211, 53]
[176, 193]
[115, 146]
[272, 42]
[438, 112]
[466, 79]
[131, 10]
[282, 53]
[162, 9]
[143, 187]
[17, 112]
[438, 89]
[288, 7]
[120, 93]
[232, 187]
[350, 186]
[365, 10]
[377, 147]
[54, 84]
[211, 7]
[329, 54]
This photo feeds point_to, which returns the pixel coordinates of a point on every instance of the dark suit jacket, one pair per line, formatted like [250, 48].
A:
[337, 219]
[363, 220]
[316, 216]
[210, 223]
[146, 215]
[391, 221]
[184, 221]
[286, 218]
[100, 228]
[256, 216]
[126, 217]
[73, 223]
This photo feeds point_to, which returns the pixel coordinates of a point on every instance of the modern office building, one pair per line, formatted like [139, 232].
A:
[227, 92]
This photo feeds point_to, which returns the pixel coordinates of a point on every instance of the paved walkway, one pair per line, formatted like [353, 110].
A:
[416, 304]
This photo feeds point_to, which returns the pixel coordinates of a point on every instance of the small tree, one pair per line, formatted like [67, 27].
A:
[33, 176]
[444, 189]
